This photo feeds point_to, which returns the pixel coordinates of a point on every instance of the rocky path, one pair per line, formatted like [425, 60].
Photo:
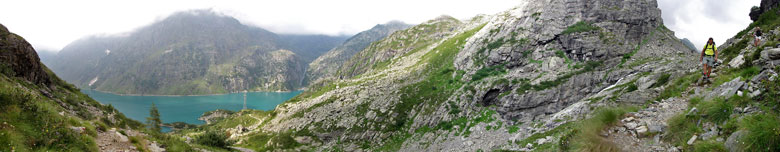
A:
[113, 140]
[242, 149]
[643, 130]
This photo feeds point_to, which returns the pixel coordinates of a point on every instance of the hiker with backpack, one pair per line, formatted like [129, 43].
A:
[709, 55]
[757, 35]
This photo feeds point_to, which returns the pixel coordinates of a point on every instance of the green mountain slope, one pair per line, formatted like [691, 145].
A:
[182, 55]
[41, 112]
[493, 82]
[326, 66]
[378, 54]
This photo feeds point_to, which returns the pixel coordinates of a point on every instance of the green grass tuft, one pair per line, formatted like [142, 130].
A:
[663, 80]
[763, 132]
[709, 146]
[681, 128]
[588, 136]
[488, 71]
[580, 27]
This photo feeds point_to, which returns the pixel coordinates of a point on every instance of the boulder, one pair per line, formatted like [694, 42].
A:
[709, 134]
[641, 130]
[644, 83]
[656, 128]
[693, 139]
[737, 61]
[303, 139]
[631, 125]
[764, 75]
[734, 142]
[78, 129]
[770, 54]
[727, 89]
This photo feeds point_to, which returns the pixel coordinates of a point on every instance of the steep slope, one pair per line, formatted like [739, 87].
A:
[689, 44]
[193, 52]
[490, 82]
[43, 113]
[326, 66]
[378, 54]
[735, 110]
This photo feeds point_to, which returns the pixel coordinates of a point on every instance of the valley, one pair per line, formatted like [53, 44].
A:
[544, 75]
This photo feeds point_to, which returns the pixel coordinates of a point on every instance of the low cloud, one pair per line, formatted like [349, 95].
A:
[699, 20]
[57, 23]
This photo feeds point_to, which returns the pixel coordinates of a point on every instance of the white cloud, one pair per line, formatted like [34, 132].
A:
[53, 24]
[698, 20]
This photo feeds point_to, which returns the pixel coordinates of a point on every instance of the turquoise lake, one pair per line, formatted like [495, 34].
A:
[188, 108]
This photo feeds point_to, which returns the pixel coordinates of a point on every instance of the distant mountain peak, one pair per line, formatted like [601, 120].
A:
[395, 22]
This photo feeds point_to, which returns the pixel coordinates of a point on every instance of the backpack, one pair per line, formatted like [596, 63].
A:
[709, 49]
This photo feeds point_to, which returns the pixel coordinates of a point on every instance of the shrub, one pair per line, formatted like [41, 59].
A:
[663, 80]
[214, 139]
[101, 126]
[580, 27]
[588, 136]
[748, 73]
[488, 71]
[709, 146]
[763, 132]
[681, 128]
[717, 110]
[631, 87]
[679, 86]
[512, 129]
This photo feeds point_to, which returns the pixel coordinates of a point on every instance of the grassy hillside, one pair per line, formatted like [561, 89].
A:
[41, 112]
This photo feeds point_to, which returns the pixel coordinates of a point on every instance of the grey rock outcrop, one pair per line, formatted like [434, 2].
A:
[19, 59]
[528, 67]
[734, 143]
[726, 90]
[766, 5]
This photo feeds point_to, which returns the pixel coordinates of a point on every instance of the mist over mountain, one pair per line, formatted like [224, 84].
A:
[192, 52]
[689, 44]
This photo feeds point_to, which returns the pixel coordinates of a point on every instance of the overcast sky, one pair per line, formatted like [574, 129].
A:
[50, 25]
[698, 20]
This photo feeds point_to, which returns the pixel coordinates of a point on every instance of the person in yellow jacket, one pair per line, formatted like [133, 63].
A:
[709, 55]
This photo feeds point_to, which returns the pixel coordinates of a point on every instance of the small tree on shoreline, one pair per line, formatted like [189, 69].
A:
[153, 120]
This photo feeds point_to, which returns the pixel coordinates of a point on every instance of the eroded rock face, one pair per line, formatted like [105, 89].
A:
[18, 58]
[766, 5]
[537, 31]
[547, 58]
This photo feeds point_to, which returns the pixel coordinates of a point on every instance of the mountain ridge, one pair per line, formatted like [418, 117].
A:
[190, 53]
[325, 67]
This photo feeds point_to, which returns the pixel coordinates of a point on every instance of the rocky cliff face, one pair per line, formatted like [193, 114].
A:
[182, 55]
[488, 82]
[766, 6]
[19, 59]
[326, 66]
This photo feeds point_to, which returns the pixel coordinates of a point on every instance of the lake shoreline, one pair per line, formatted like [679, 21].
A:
[189, 108]
[159, 95]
